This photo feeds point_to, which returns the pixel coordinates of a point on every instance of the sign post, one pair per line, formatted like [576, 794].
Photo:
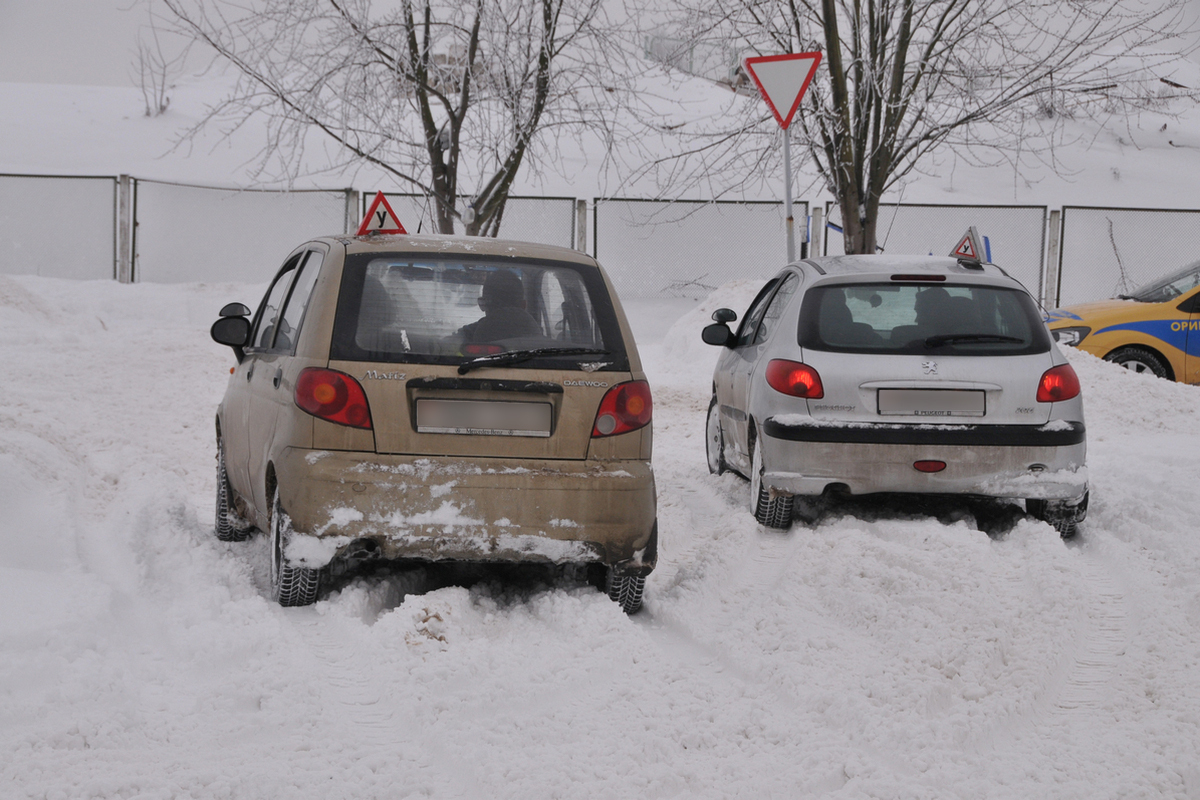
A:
[782, 81]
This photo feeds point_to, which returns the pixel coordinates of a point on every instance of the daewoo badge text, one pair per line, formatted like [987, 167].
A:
[592, 384]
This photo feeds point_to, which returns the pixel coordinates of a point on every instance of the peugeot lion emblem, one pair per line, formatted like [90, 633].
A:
[930, 367]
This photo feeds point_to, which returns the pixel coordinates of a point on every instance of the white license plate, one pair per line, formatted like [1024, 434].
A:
[931, 402]
[484, 418]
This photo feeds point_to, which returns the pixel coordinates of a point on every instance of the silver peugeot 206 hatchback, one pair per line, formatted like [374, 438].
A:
[867, 374]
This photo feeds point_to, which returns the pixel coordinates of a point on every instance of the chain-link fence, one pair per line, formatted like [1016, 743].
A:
[546, 220]
[1111, 251]
[716, 61]
[198, 233]
[1017, 234]
[58, 227]
[686, 248]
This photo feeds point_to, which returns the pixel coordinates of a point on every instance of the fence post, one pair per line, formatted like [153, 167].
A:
[1050, 285]
[581, 225]
[818, 229]
[353, 204]
[125, 223]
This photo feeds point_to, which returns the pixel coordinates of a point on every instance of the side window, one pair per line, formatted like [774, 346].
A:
[293, 312]
[775, 308]
[264, 324]
[754, 314]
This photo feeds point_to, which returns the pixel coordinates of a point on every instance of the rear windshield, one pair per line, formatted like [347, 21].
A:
[921, 319]
[401, 308]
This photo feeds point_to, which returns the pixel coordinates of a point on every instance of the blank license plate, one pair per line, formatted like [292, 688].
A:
[483, 418]
[931, 402]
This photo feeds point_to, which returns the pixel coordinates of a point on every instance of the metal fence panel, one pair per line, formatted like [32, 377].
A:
[687, 248]
[196, 233]
[1111, 251]
[58, 227]
[1017, 234]
[545, 220]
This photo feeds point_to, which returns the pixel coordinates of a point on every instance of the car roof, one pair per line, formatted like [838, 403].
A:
[435, 245]
[869, 267]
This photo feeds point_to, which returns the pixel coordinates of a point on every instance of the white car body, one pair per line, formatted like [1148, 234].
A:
[896, 401]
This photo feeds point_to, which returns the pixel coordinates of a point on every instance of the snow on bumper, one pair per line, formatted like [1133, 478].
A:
[1017, 461]
[466, 509]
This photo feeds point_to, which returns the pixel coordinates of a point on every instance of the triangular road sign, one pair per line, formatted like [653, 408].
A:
[783, 80]
[970, 246]
[380, 219]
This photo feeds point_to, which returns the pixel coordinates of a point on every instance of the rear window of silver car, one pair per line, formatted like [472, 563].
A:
[401, 308]
[946, 319]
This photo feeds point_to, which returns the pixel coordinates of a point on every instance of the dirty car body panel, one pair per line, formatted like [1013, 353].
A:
[443, 398]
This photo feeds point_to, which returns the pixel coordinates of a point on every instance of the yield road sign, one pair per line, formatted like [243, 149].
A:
[782, 81]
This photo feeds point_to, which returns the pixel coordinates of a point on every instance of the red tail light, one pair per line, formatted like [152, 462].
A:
[794, 378]
[333, 396]
[625, 407]
[1059, 383]
[929, 466]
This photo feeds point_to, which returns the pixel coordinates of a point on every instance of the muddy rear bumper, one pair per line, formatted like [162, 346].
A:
[470, 510]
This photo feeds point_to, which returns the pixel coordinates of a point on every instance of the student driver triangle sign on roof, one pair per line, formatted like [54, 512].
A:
[380, 218]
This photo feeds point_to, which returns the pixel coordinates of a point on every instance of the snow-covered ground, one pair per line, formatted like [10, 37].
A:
[883, 652]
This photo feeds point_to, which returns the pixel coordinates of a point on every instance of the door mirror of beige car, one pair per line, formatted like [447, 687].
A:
[233, 332]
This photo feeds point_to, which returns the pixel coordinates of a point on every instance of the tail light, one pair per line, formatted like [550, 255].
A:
[625, 407]
[333, 396]
[1058, 383]
[794, 378]
[481, 349]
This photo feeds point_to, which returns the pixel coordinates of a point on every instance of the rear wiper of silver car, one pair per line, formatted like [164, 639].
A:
[954, 338]
[517, 356]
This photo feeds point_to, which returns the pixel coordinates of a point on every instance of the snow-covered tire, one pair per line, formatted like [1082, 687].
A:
[1065, 520]
[626, 590]
[290, 586]
[714, 440]
[1141, 360]
[228, 525]
[773, 512]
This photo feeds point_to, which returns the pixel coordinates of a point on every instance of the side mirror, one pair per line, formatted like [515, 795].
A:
[718, 334]
[233, 332]
[234, 310]
[724, 315]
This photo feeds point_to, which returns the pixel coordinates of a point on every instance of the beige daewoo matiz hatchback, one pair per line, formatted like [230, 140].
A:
[437, 398]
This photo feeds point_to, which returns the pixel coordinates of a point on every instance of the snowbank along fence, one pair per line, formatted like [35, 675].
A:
[127, 229]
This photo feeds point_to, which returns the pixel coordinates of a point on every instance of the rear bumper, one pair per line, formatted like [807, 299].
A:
[511, 510]
[1014, 461]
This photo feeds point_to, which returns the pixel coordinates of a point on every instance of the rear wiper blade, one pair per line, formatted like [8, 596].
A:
[517, 356]
[954, 338]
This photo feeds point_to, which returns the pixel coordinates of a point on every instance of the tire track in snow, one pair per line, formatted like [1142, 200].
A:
[1090, 676]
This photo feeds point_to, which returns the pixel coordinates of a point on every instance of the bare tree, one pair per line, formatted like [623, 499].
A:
[450, 97]
[155, 69]
[992, 79]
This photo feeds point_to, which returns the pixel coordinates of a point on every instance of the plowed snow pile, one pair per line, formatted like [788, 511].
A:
[881, 652]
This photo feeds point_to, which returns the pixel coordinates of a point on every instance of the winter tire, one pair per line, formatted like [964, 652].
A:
[290, 586]
[1139, 359]
[626, 590]
[774, 512]
[1064, 519]
[228, 526]
[714, 440]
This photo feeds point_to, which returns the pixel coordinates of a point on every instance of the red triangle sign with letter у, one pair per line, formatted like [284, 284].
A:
[782, 81]
[380, 218]
[969, 246]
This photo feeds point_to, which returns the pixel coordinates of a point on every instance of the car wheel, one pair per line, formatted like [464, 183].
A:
[714, 440]
[774, 512]
[625, 590]
[1139, 359]
[228, 526]
[291, 586]
[1063, 518]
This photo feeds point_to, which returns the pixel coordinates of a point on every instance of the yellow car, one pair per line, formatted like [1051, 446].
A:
[1155, 329]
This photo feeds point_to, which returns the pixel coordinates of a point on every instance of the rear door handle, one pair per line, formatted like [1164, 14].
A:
[278, 375]
[250, 373]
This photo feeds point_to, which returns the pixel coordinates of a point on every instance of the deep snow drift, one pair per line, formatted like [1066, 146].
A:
[881, 653]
